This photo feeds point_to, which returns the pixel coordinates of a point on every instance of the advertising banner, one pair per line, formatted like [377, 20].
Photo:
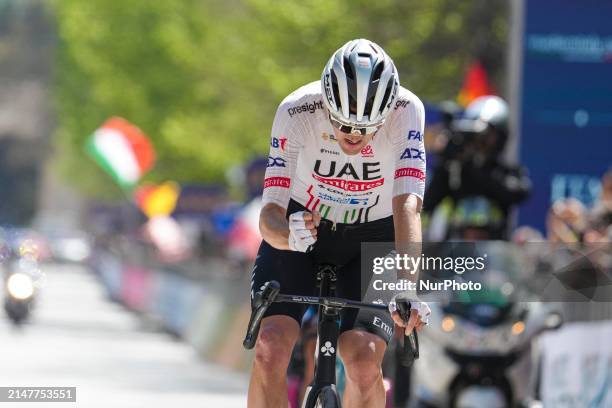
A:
[565, 120]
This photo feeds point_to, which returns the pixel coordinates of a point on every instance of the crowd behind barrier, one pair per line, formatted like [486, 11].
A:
[200, 302]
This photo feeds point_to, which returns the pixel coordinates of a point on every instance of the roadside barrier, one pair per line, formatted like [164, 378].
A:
[209, 312]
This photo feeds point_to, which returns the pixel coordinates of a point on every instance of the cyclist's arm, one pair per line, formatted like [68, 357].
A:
[409, 182]
[407, 223]
[408, 190]
[285, 143]
[273, 226]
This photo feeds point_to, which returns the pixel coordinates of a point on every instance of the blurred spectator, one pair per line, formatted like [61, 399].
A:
[438, 134]
[599, 228]
[473, 187]
[243, 239]
[569, 221]
[525, 234]
[255, 171]
[566, 221]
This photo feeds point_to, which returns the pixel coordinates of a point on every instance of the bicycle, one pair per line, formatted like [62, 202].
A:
[322, 392]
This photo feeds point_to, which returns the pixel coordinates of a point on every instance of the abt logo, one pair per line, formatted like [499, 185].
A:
[328, 349]
[278, 142]
[367, 151]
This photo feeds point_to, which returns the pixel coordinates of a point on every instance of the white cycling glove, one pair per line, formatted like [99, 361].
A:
[422, 308]
[300, 237]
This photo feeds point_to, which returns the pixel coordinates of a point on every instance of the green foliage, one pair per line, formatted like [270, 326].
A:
[203, 78]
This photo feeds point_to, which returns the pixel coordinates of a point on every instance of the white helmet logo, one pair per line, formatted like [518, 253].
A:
[364, 62]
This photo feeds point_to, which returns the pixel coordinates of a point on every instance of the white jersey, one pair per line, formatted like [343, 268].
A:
[307, 165]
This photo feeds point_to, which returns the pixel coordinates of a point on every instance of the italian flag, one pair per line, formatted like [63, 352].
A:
[122, 150]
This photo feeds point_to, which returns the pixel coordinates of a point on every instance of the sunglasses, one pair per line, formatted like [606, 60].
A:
[344, 128]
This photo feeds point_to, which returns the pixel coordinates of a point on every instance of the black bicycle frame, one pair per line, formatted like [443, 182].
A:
[328, 333]
[329, 308]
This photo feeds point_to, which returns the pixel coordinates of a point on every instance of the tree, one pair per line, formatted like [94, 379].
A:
[203, 78]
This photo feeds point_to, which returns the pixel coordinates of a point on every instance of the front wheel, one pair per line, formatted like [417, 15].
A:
[327, 398]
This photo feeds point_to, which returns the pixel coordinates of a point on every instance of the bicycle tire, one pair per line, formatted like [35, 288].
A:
[327, 398]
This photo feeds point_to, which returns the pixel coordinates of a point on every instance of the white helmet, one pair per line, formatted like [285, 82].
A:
[359, 84]
[482, 112]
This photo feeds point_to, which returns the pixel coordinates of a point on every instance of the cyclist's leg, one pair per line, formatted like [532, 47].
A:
[309, 344]
[268, 385]
[362, 354]
[280, 326]
[362, 344]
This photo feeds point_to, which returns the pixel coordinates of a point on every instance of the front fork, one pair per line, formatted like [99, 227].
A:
[327, 348]
[327, 340]
[325, 354]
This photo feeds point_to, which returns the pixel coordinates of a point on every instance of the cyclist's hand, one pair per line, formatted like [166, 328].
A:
[303, 230]
[419, 316]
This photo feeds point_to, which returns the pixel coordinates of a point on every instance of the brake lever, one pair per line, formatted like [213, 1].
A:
[411, 341]
[262, 300]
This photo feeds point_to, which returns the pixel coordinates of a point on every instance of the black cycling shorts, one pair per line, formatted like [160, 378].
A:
[296, 271]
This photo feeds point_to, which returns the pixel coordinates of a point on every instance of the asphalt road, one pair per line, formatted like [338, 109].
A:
[78, 338]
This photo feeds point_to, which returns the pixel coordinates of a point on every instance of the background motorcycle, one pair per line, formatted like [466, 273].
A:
[477, 352]
[22, 275]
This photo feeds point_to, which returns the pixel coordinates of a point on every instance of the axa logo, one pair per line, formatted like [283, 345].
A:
[276, 162]
[367, 151]
[368, 171]
[400, 103]
[328, 349]
[412, 153]
[415, 135]
[278, 142]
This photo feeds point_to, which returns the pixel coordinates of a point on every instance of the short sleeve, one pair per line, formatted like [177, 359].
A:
[285, 144]
[407, 133]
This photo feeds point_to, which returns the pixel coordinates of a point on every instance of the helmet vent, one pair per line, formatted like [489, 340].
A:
[377, 71]
[348, 69]
[385, 99]
[335, 90]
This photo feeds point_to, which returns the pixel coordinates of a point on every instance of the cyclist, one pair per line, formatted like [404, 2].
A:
[346, 165]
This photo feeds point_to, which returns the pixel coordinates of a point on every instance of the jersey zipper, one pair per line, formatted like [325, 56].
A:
[342, 196]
